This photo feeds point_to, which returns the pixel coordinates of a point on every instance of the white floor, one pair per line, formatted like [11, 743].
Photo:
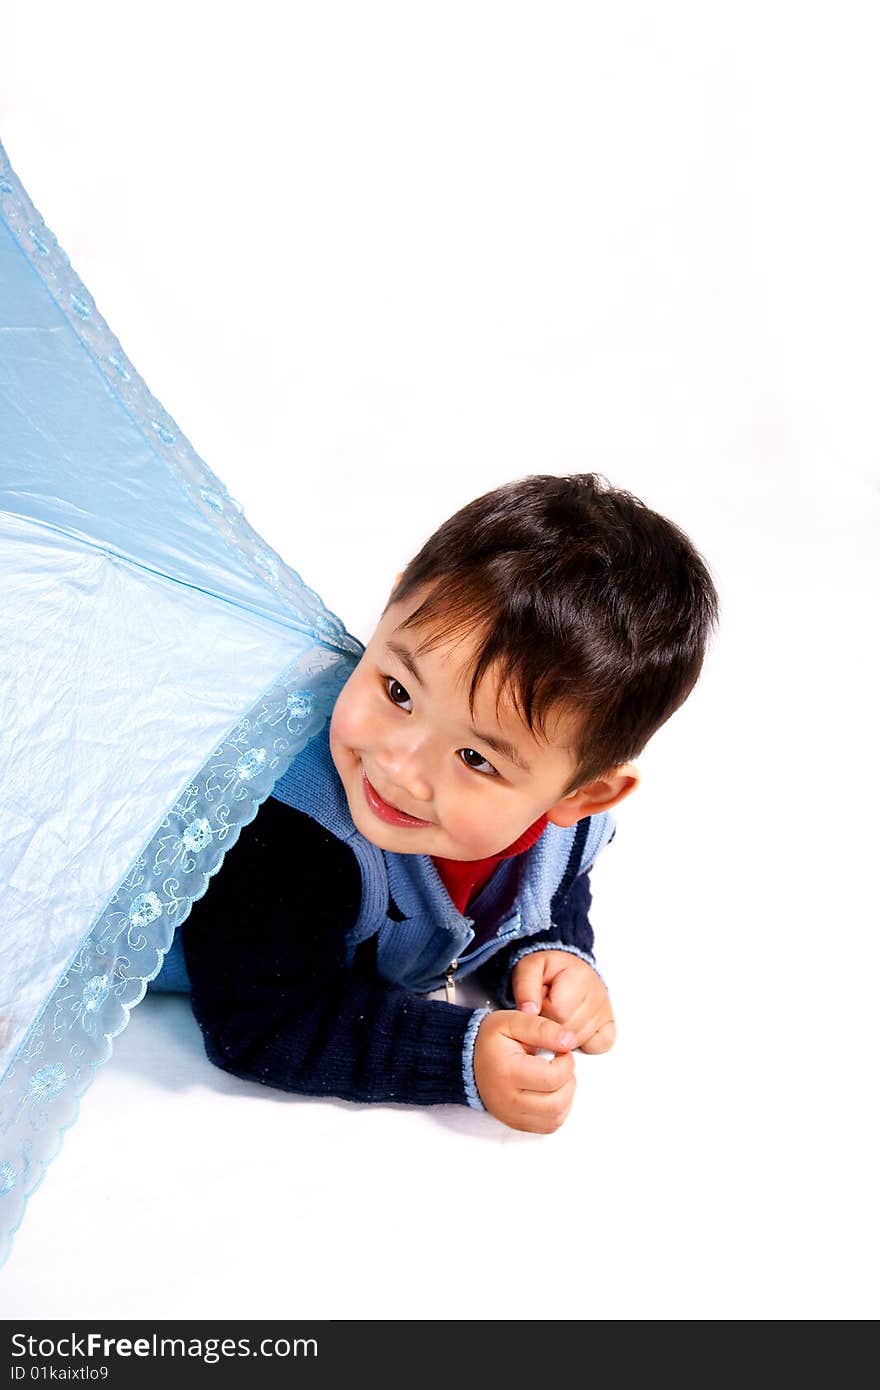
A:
[367, 295]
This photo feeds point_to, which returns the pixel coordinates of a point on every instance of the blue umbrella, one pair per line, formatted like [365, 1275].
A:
[161, 668]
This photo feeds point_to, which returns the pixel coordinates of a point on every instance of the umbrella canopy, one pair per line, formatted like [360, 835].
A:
[162, 667]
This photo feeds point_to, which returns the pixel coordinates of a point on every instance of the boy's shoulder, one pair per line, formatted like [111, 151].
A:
[312, 786]
[295, 835]
[576, 847]
[599, 831]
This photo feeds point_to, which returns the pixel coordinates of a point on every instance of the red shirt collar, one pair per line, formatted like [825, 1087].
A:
[463, 878]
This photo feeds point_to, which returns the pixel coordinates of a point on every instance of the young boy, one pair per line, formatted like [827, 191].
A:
[445, 821]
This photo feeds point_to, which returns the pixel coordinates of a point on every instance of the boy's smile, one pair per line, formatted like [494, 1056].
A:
[392, 815]
[402, 741]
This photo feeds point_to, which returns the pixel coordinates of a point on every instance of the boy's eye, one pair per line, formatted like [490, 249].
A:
[480, 759]
[390, 684]
[398, 695]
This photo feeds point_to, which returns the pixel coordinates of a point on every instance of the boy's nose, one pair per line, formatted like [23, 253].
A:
[404, 782]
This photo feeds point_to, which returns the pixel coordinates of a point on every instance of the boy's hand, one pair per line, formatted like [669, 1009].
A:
[560, 986]
[524, 1091]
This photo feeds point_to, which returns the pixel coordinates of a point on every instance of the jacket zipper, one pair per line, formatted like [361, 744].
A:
[450, 981]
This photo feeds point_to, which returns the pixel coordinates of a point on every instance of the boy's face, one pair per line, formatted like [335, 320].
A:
[401, 736]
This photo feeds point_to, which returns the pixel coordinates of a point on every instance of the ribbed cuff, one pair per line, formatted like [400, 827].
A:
[467, 1059]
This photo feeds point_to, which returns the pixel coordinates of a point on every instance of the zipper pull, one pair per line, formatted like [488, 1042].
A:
[450, 981]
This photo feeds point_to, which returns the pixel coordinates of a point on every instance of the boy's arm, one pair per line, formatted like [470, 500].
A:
[265, 950]
[570, 929]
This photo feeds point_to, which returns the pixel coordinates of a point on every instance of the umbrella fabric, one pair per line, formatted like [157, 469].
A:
[161, 668]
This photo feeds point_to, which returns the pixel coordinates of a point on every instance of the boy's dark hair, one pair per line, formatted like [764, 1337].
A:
[589, 602]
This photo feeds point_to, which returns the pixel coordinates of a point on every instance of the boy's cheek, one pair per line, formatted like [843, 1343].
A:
[345, 725]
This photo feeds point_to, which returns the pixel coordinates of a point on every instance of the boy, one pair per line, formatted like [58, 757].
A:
[446, 820]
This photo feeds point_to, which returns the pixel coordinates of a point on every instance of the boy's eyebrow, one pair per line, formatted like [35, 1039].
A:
[501, 745]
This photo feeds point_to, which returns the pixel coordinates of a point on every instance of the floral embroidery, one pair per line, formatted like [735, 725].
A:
[198, 834]
[248, 766]
[212, 498]
[145, 909]
[119, 367]
[95, 992]
[265, 561]
[47, 1082]
[300, 703]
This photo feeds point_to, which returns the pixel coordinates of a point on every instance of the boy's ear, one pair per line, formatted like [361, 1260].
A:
[598, 795]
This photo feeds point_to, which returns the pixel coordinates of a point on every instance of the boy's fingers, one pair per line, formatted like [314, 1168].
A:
[587, 1020]
[547, 1112]
[565, 996]
[537, 1074]
[528, 982]
[602, 1039]
[534, 1031]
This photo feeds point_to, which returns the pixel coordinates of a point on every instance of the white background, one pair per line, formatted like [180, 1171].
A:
[375, 260]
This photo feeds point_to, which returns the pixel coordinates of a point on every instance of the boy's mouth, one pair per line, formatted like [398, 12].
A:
[384, 810]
